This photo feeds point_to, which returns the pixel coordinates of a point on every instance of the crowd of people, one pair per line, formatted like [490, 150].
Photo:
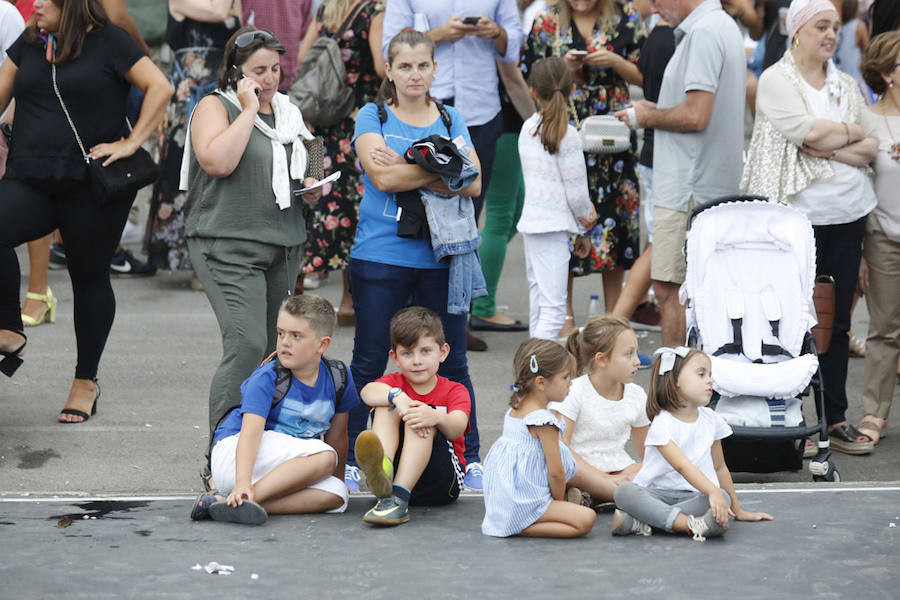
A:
[481, 107]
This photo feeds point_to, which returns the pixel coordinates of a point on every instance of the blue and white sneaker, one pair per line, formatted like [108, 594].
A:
[646, 361]
[351, 477]
[474, 475]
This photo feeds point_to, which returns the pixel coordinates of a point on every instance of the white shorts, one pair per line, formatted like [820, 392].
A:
[274, 448]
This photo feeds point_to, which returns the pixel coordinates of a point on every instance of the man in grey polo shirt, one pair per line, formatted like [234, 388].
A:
[699, 124]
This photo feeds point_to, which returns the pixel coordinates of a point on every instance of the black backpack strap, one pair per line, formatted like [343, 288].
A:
[283, 379]
[338, 372]
[445, 117]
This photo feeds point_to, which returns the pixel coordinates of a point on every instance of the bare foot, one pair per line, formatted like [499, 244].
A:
[82, 396]
[499, 319]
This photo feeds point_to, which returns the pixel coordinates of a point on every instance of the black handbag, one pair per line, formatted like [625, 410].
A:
[120, 179]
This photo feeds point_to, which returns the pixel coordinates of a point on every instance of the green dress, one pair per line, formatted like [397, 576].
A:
[612, 178]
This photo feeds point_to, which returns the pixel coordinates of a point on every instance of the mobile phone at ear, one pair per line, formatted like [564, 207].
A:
[240, 75]
[471, 20]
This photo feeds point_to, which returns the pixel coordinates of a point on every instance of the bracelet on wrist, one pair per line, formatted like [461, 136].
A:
[846, 130]
[499, 33]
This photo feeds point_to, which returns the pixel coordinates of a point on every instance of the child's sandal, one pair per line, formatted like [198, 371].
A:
[200, 511]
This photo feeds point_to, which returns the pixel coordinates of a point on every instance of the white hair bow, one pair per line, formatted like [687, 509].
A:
[667, 361]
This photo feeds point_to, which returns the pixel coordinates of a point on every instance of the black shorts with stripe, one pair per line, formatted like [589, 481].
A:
[441, 481]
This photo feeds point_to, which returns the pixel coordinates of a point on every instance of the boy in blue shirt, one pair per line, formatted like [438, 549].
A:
[284, 453]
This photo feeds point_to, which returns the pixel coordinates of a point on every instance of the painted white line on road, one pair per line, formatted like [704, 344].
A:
[817, 490]
[469, 493]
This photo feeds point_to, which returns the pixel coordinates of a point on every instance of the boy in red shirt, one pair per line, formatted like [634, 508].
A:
[414, 451]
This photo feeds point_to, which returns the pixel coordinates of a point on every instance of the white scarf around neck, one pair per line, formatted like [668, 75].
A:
[289, 126]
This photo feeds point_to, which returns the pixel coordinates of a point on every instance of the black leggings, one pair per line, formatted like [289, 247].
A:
[91, 231]
[838, 252]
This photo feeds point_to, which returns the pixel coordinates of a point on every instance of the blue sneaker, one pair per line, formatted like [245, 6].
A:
[646, 361]
[351, 477]
[474, 475]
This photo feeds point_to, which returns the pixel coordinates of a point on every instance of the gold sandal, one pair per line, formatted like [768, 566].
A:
[48, 315]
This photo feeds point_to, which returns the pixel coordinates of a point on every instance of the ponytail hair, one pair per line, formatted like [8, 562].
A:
[598, 335]
[387, 93]
[551, 79]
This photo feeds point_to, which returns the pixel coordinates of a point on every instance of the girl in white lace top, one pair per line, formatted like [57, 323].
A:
[557, 203]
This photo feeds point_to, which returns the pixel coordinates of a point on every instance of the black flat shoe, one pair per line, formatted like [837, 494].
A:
[81, 413]
[475, 343]
[11, 360]
[479, 324]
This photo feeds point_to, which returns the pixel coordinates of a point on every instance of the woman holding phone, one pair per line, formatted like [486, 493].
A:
[245, 228]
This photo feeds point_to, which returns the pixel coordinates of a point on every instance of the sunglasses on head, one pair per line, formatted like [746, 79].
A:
[247, 38]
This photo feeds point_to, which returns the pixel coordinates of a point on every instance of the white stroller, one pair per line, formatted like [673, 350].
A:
[748, 295]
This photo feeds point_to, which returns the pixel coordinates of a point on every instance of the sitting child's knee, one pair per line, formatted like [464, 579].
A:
[323, 463]
[585, 521]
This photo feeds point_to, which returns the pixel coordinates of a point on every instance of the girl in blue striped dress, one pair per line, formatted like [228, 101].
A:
[526, 470]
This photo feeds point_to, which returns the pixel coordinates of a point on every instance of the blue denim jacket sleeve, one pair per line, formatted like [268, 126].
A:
[454, 234]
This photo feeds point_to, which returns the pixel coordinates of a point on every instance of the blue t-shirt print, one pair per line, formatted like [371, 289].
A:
[305, 412]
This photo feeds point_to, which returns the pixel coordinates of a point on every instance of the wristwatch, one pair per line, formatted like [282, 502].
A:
[392, 393]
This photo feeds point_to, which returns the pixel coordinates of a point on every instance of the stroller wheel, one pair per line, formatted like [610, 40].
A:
[830, 472]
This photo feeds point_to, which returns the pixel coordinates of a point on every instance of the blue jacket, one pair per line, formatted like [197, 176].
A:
[454, 234]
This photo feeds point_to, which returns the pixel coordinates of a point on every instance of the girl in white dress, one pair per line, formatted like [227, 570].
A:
[604, 408]
[684, 485]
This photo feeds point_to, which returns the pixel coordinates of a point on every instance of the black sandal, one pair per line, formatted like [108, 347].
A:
[846, 438]
[11, 360]
[81, 413]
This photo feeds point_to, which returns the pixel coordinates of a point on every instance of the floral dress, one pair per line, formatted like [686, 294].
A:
[332, 224]
[612, 178]
[198, 50]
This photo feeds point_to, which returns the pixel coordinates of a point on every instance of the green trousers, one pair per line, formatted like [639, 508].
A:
[502, 209]
[245, 282]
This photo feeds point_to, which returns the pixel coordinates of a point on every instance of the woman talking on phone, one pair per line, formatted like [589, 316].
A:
[244, 225]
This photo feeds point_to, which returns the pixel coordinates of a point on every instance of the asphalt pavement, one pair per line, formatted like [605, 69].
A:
[147, 440]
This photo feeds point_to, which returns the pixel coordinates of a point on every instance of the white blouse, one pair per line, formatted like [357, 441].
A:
[556, 188]
[843, 198]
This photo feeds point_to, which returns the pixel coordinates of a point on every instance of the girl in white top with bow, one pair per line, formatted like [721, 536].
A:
[684, 485]
[557, 203]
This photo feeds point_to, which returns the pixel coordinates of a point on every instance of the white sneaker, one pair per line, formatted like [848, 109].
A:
[705, 526]
[628, 525]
